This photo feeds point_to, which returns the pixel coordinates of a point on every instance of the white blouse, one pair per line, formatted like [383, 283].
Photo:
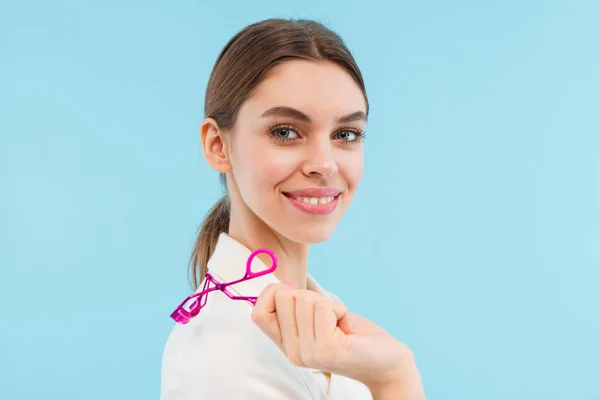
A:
[222, 354]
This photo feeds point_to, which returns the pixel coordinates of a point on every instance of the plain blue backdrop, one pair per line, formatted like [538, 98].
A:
[474, 238]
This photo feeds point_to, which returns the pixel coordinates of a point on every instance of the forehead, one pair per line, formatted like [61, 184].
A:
[322, 90]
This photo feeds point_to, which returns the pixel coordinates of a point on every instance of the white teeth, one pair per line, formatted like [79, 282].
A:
[315, 200]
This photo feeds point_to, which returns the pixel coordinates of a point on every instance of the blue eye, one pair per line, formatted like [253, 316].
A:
[285, 133]
[289, 134]
[350, 136]
[347, 136]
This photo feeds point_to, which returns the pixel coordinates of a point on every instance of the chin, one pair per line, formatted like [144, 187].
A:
[309, 234]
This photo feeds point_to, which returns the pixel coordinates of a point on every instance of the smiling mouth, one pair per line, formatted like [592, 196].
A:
[313, 200]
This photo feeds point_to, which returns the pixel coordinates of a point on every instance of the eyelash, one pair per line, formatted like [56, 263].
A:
[360, 135]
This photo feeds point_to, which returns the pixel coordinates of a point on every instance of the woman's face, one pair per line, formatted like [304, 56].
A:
[296, 151]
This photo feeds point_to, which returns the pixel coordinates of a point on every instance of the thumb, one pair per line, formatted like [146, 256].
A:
[352, 323]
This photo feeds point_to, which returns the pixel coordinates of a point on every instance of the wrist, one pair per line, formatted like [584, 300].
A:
[404, 384]
[388, 392]
[398, 391]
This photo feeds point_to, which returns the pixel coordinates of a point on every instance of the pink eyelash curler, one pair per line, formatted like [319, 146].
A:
[192, 305]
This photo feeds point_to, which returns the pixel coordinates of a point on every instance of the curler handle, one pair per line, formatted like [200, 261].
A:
[252, 274]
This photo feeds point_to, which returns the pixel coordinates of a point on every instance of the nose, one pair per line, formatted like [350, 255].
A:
[320, 160]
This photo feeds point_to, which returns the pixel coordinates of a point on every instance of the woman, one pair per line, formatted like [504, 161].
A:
[286, 110]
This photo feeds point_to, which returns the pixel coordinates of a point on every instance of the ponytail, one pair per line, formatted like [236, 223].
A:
[215, 223]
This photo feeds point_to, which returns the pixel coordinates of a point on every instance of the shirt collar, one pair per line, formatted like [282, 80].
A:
[228, 263]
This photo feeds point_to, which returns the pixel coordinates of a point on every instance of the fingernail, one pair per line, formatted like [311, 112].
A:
[290, 285]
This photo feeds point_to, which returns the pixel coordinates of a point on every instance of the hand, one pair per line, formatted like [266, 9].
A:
[317, 332]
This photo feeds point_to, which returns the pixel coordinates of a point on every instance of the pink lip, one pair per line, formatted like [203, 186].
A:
[317, 209]
[315, 192]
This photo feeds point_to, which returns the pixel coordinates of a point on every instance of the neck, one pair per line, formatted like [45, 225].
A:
[292, 256]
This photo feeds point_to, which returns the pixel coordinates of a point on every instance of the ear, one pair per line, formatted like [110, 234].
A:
[216, 150]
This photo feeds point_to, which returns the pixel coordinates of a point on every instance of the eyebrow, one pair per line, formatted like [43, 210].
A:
[291, 112]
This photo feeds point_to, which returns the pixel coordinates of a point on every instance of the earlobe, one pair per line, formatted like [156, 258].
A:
[214, 145]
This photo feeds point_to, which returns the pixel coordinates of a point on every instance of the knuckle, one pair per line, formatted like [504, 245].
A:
[283, 295]
[260, 321]
[256, 316]
[304, 297]
[323, 305]
[270, 287]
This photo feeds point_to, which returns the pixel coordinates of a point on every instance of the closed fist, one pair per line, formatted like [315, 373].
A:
[317, 332]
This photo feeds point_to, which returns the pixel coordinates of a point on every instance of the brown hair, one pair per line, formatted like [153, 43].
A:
[239, 69]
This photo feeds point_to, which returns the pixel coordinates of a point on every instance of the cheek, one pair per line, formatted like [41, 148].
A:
[351, 166]
[274, 166]
[257, 165]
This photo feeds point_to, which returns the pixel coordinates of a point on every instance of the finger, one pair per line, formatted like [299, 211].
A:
[285, 303]
[264, 312]
[327, 315]
[357, 324]
[265, 303]
[305, 316]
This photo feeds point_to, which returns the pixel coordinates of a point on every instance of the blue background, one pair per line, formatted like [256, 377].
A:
[474, 238]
